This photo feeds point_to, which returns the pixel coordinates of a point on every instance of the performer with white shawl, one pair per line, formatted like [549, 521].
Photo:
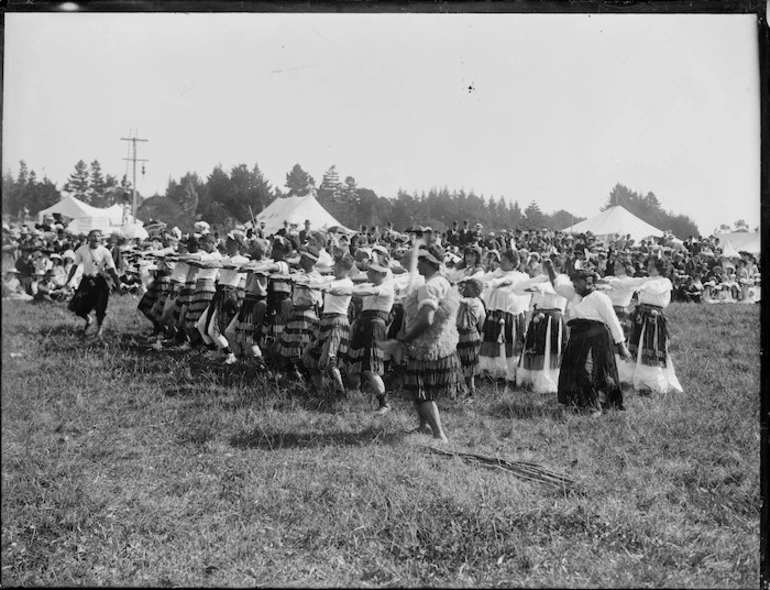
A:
[545, 339]
[620, 288]
[648, 343]
[504, 327]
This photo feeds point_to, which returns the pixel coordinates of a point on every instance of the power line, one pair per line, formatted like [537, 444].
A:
[134, 159]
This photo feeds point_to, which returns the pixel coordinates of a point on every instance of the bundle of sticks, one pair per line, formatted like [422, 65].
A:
[523, 469]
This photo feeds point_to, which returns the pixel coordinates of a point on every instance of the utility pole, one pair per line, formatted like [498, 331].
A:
[134, 159]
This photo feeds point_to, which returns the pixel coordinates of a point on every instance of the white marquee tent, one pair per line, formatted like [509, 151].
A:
[69, 207]
[295, 210]
[615, 220]
[86, 217]
[740, 241]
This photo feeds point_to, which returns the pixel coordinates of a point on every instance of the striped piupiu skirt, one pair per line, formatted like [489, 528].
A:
[649, 331]
[429, 380]
[172, 299]
[186, 293]
[165, 291]
[624, 318]
[469, 344]
[363, 353]
[275, 316]
[535, 341]
[330, 345]
[301, 329]
[588, 367]
[225, 305]
[503, 327]
[156, 289]
[248, 324]
[200, 300]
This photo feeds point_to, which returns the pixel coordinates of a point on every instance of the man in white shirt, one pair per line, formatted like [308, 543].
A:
[93, 291]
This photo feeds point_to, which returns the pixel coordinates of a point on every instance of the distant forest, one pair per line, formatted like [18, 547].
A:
[226, 199]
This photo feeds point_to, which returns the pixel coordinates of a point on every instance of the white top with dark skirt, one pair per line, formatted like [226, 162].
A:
[596, 306]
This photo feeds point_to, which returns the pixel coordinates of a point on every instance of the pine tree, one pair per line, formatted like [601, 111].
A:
[77, 183]
[21, 179]
[299, 182]
[96, 186]
[330, 190]
[263, 192]
[534, 216]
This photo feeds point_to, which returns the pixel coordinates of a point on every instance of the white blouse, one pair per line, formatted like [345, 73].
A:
[545, 297]
[209, 273]
[621, 289]
[504, 298]
[656, 291]
[596, 306]
[304, 294]
[382, 300]
[229, 277]
[338, 303]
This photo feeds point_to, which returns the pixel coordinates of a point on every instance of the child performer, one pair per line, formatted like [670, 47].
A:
[245, 330]
[648, 342]
[365, 356]
[504, 327]
[470, 322]
[620, 288]
[278, 295]
[331, 344]
[545, 339]
[227, 297]
[205, 278]
[302, 323]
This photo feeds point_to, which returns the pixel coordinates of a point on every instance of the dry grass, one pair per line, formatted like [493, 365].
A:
[121, 465]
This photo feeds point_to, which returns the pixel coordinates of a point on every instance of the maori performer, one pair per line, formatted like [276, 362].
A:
[433, 368]
[331, 344]
[588, 379]
[93, 292]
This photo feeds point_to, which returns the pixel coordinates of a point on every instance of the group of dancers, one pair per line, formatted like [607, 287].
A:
[319, 315]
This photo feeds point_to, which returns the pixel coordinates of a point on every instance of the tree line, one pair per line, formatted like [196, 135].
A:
[25, 194]
[226, 198]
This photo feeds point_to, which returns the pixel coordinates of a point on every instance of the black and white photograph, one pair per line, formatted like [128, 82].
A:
[377, 296]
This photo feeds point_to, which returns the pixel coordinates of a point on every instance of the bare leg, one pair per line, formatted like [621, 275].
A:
[378, 387]
[430, 411]
[424, 427]
[88, 320]
[337, 378]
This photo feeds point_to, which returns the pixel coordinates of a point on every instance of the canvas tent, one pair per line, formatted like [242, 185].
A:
[68, 207]
[86, 217]
[295, 210]
[740, 241]
[615, 220]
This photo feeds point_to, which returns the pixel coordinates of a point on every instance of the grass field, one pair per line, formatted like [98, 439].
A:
[126, 466]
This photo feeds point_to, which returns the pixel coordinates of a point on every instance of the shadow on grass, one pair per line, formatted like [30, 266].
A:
[278, 440]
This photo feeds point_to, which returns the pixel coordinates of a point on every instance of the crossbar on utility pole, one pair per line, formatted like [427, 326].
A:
[134, 159]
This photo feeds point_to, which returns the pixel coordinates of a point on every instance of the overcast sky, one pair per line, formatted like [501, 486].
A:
[551, 108]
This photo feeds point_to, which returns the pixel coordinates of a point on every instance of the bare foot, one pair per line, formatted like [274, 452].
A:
[89, 321]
